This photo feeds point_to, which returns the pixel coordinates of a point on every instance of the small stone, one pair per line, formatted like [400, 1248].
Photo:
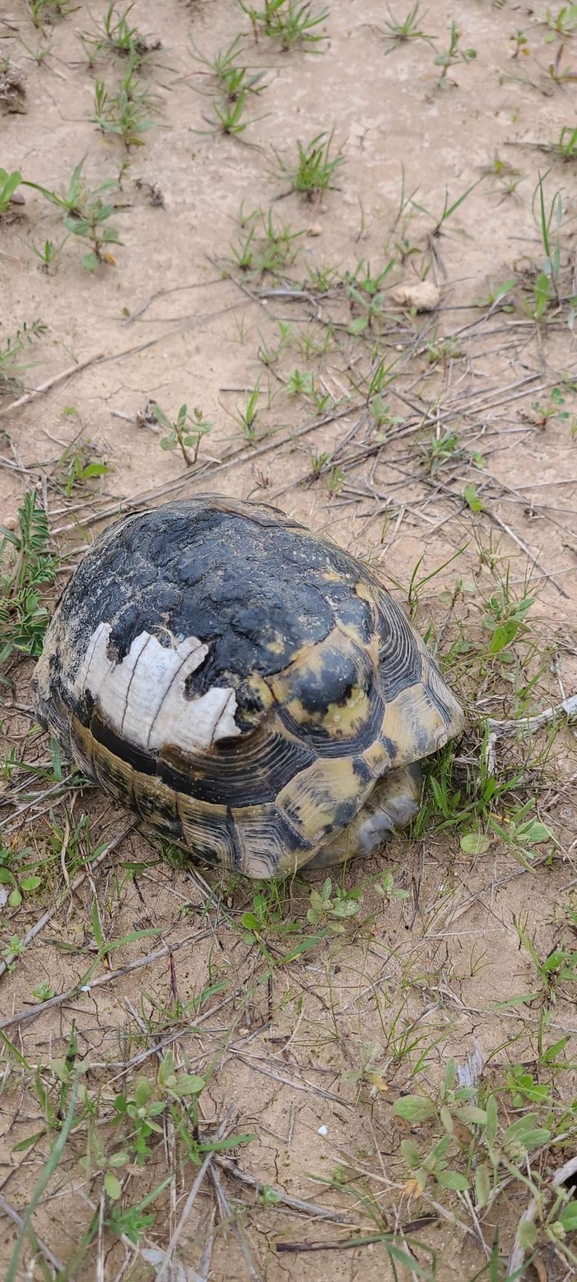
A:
[314, 230]
[10, 523]
[420, 294]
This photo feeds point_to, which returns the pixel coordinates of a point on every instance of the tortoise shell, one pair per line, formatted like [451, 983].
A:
[244, 685]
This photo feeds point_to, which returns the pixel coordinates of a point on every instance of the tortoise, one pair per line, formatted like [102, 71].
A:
[244, 685]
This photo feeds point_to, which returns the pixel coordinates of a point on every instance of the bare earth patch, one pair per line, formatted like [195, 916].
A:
[324, 258]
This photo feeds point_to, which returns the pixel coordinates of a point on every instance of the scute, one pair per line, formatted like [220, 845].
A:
[242, 684]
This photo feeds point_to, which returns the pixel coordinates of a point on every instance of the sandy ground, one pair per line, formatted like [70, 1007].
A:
[173, 319]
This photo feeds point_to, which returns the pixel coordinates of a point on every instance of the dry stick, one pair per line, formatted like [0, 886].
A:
[226, 1214]
[77, 989]
[51, 382]
[46, 917]
[517, 1256]
[295, 1203]
[174, 1240]
[8, 1210]
[528, 724]
[352, 1242]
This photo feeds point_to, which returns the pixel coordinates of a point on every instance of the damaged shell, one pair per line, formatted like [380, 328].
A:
[245, 686]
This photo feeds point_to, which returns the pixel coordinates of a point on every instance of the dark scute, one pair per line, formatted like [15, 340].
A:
[352, 611]
[400, 662]
[332, 683]
[249, 774]
[145, 762]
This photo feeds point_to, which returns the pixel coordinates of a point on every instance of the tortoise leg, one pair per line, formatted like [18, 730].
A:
[392, 804]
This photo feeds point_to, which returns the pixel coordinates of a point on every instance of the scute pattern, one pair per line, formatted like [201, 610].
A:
[329, 685]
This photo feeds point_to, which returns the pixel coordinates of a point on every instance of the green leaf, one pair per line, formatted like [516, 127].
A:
[471, 1115]
[472, 499]
[89, 261]
[474, 843]
[15, 899]
[413, 1108]
[503, 636]
[452, 1180]
[552, 1053]
[482, 1185]
[28, 1142]
[358, 326]
[113, 1186]
[7, 877]
[411, 1154]
[250, 922]
[568, 1217]
[188, 1084]
[232, 1141]
[93, 469]
[30, 883]
[528, 1234]
[492, 1119]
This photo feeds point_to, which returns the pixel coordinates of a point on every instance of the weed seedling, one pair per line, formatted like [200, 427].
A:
[560, 24]
[126, 112]
[47, 255]
[229, 117]
[227, 75]
[330, 908]
[289, 22]
[85, 215]
[9, 182]
[27, 569]
[42, 11]
[264, 245]
[397, 33]
[118, 37]
[519, 42]
[12, 349]
[453, 55]
[183, 433]
[314, 169]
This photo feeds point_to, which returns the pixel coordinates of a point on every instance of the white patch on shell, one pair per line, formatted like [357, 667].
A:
[143, 697]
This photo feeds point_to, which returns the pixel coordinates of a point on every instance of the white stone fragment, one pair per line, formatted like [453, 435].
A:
[143, 697]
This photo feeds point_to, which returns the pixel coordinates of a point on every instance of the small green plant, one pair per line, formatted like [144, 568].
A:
[48, 254]
[125, 113]
[440, 449]
[9, 182]
[184, 433]
[263, 245]
[16, 882]
[118, 37]
[453, 55]
[519, 42]
[230, 78]
[85, 214]
[77, 466]
[397, 33]
[246, 417]
[521, 832]
[27, 570]
[562, 23]
[314, 169]
[10, 366]
[42, 11]
[331, 908]
[289, 22]
[505, 619]
[229, 116]
[549, 220]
